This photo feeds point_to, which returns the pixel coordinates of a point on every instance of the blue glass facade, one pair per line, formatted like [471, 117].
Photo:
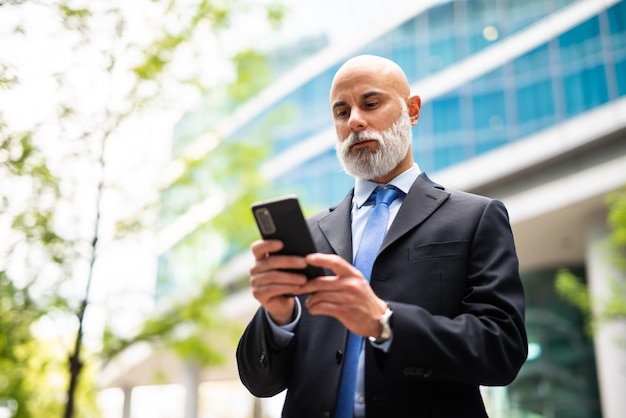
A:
[572, 73]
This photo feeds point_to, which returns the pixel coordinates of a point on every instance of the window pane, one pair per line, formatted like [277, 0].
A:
[585, 90]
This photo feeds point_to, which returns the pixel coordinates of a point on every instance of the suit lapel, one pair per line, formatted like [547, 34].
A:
[423, 199]
[336, 228]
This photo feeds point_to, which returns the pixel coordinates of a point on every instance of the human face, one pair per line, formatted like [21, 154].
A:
[367, 96]
[392, 147]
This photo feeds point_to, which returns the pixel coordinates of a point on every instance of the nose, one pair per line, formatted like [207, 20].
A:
[357, 121]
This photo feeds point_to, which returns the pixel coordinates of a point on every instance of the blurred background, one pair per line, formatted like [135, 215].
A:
[135, 135]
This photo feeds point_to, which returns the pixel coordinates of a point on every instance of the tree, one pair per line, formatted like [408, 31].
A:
[110, 67]
[30, 239]
[573, 289]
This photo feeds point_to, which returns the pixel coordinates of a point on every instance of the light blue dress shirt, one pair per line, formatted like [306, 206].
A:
[362, 191]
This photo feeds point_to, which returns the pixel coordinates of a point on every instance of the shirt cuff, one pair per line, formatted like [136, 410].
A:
[282, 334]
[383, 346]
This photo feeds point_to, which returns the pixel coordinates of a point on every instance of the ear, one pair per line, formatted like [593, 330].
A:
[414, 103]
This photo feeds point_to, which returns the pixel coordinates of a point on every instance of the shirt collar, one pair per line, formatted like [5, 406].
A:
[364, 188]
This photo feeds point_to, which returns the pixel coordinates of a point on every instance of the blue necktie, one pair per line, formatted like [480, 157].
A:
[372, 238]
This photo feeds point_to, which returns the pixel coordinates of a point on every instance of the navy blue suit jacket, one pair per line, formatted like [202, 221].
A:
[449, 271]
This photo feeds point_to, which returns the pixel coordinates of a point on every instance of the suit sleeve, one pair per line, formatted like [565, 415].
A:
[485, 342]
[263, 367]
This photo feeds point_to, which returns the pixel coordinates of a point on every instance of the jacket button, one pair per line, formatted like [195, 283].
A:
[263, 360]
[409, 371]
[416, 371]
[339, 356]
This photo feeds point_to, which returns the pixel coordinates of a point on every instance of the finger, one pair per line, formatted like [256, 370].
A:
[262, 248]
[271, 290]
[333, 289]
[322, 284]
[278, 262]
[277, 278]
[333, 262]
[328, 308]
[335, 304]
[329, 299]
[274, 292]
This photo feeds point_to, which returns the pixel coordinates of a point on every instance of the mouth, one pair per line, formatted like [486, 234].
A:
[362, 144]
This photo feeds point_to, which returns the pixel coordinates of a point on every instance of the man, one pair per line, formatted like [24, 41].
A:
[444, 305]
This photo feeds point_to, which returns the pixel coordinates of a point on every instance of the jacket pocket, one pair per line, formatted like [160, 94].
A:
[437, 250]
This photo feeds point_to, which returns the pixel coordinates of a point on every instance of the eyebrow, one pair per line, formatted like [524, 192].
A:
[363, 97]
[339, 104]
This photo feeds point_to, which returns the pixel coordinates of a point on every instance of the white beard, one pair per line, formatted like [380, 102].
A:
[393, 144]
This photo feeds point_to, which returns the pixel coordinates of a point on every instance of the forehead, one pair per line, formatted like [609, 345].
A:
[358, 83]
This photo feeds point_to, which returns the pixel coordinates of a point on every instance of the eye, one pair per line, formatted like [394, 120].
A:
[371, 104]
[341, 113]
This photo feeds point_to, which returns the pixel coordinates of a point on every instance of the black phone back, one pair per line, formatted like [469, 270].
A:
[282, 219]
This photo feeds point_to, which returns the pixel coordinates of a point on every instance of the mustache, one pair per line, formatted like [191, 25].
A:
[356, 137]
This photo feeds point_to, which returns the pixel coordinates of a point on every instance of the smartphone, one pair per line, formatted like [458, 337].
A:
[281, 218]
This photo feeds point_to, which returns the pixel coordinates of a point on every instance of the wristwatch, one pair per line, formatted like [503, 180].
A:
[385, 322]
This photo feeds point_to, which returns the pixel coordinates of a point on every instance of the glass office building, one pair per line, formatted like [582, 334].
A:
[496, 77]
[546, 82]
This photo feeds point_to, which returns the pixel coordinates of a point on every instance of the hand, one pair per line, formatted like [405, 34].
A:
[270, 285]
[347, 296]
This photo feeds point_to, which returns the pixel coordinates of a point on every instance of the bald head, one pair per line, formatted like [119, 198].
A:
[370, 68]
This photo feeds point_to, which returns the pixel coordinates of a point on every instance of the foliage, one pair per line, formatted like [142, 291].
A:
[615, 309]
[30, 369]
[573, 289]
[190, 324]
[17, 313]
[30, 240]
[187, 326]
[109, 71]
[252, 75]
[616, 221]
